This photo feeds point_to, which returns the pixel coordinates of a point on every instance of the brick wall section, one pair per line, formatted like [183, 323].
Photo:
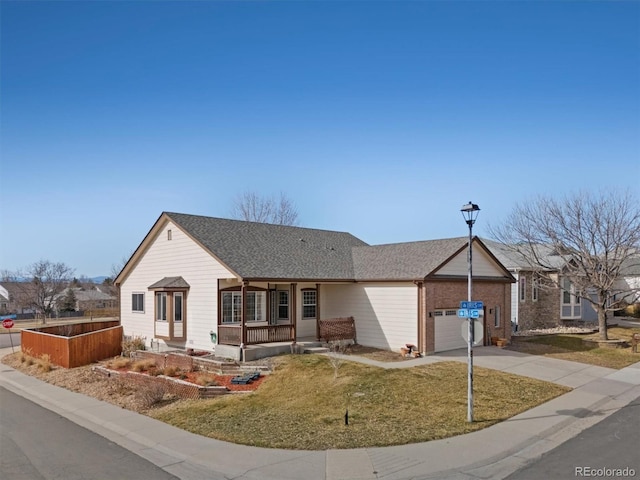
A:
[185, 362]
[170, 385]
[164, 360]
[448, 295]
[543, 313]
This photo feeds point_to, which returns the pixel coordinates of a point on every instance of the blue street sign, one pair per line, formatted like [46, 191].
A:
[463, 313]
[8, 317]
[473, 304]
[474, 313]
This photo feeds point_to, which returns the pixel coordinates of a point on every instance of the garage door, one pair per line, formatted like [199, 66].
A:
[448, 327]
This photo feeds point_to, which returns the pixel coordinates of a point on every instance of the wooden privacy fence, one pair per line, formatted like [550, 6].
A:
[337, 329]
[75, 345]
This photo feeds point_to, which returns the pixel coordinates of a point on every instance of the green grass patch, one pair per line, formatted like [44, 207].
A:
[301, 406]
[571, 347]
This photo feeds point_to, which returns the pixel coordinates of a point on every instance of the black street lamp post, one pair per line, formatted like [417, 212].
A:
[470, 213]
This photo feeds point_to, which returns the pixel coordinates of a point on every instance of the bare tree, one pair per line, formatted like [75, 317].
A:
[48, 279]
[589, 239]
[264, 209]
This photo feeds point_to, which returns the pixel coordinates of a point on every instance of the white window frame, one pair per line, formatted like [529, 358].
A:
[179, 295]
[256, 308]
[308, 304]
[280, 304]
[141, 302]
[574, 303]
[496, 316]
[161, 306]
[236, 307]
[522, 288]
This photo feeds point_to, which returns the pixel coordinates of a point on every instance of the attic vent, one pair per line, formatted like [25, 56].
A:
[169, 234]
[302, 240]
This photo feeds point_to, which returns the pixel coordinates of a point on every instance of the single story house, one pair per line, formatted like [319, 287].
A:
[197, 282]
[89, 300]
[536, 306]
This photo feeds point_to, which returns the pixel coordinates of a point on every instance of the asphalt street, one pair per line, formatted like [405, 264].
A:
[38, 444]
[604, 450]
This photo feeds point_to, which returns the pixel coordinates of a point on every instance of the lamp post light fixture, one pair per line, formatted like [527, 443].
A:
[470, 213]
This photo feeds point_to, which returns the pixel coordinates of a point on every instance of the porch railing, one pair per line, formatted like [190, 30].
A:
[232, 334]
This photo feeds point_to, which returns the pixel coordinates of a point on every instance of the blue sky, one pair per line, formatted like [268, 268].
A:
[377, 118]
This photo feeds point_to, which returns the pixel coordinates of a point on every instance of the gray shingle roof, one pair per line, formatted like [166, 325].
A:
[265, 251]
[513, 260]
[404, 261]
[170, 282]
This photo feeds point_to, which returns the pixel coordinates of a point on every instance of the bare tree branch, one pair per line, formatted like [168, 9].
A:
[252, 207]
[590, 239]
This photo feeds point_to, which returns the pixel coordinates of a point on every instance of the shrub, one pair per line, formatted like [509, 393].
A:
[44, 362]
[152, 393]
[132, 344]
[143, 365]
[206, 380]
[633, 310]
[171, 371]
[119, 362]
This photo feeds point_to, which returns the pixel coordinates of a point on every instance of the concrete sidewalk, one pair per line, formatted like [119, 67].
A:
[494, 452]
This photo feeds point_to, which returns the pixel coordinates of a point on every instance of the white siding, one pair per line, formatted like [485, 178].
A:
[179, 256]
[386, 314]
[483, 265]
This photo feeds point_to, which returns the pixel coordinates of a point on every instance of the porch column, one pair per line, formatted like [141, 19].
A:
[421, 317]
[292, 306]
[243, 323]
[317, 312]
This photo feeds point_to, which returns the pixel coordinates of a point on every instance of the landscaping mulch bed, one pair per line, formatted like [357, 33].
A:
[217, 380]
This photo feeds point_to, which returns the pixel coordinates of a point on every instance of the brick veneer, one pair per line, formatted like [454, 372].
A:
[438, 295]
[542, 313]
[170, 385]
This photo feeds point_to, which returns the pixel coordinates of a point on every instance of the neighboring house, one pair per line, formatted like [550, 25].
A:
[4, 300]
[195, 280]
[537, 304]
[90, 300]
[20, 297]
[628, 287]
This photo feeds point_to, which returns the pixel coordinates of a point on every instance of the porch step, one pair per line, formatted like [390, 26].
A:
[315, 350]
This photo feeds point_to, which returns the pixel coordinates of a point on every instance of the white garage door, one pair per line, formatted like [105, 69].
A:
[448, 327]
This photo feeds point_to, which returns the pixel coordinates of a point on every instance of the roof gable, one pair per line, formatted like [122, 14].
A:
[255, 251]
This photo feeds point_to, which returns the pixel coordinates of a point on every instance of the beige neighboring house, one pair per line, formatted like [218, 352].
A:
[200, 282]
[90, 299]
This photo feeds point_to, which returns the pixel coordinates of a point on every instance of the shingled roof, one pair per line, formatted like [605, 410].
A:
[404, 261]
[261, 251]
[266, 251]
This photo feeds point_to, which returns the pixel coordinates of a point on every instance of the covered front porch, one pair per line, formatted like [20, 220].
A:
[244, 334]
[254, 313]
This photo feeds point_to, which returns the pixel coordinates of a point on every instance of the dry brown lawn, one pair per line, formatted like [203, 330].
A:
[302, 406]
[570, 347]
